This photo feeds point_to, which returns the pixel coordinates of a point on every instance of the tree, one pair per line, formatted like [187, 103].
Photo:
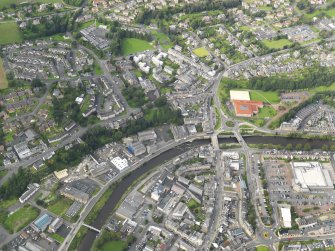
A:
[307, 147]
[298, 147]
[324, 147]
[289, 147]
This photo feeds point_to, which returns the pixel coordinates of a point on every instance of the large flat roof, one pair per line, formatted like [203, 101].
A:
[239, 95]
[309, 175]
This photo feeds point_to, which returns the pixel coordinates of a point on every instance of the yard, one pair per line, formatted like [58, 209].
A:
[114, 246]
[20, 218]
[268, 97]
[12, 33]
[60, 206]
[276, 44]
[3, 79]
[134, 45]
[201, 52]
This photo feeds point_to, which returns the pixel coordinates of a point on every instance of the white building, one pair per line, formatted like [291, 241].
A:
[285, 211]
[310, 176]
[120, 163]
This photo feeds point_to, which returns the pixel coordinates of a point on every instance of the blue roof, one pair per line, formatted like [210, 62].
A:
[43, 222]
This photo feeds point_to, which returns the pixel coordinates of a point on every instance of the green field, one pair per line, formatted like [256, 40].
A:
[163, 39]
[5, 204]
[268, 97]
[60, 206]
[266, 112]
[134, 45]
[114, 246]
[3, 78]
[12, 33]
[276, 44]
[20, 218]
[201, 52]
[322, 89]
[7, 3]
[330, 12]
[262, 248]
[57, 237]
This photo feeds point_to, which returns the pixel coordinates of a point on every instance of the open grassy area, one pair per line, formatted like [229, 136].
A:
[276, 44]
[57, 237]
[20, 218]
[322, 89]
[134, 45]
[266, 112]
[201, 52]
[3, 78]
[7, 3]
[163, 39]
[12, 33]
[269, 97]
[5, 204]
[262, 248]
[330, 12]
[60, 206]
[114, 246]
[217, 118]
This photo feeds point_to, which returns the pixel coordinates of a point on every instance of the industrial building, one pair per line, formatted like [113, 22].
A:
[32, 189]
[55, 225]
[285, 212]
[120, 163]
[147, 135]
[137, 148]
[247, 108]
[75, 194]
[309, 176]
[42, 222]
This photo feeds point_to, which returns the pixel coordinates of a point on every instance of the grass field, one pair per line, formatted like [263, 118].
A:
[5, 204]
[21, 218]
[163, 39]
[7, 3]
[114, 246]
[322, 89]
[134, 45]
[276, 44]
[12, 33]
[266, 112]
[201, 52]
[268, 97]
[262, 248]
[330, 12]
[60, 206]
[57, 237]
[3, 79]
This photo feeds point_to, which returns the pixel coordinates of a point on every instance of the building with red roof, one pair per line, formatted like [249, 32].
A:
[247, 108]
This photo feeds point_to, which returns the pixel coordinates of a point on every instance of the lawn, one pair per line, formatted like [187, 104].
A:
[20, 218]
[201, 52]
[7, 3]
[57, 237]
[12, 33]
[262, 248]
[276, 44]
[5, 204]
[2, 174]
[330, 12]
[134, 45]
[114, 246]
[268, 97]
[322, 89]
[60, 206]
[163, 39]
[3, 78]
[266, 112]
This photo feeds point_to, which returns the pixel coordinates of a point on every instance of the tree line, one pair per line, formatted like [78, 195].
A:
[167, 13]
[310, 78]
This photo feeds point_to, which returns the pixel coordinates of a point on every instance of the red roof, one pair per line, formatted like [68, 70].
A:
[247, 107]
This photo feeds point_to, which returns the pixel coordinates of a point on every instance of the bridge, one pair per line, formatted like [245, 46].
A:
[92, 228]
